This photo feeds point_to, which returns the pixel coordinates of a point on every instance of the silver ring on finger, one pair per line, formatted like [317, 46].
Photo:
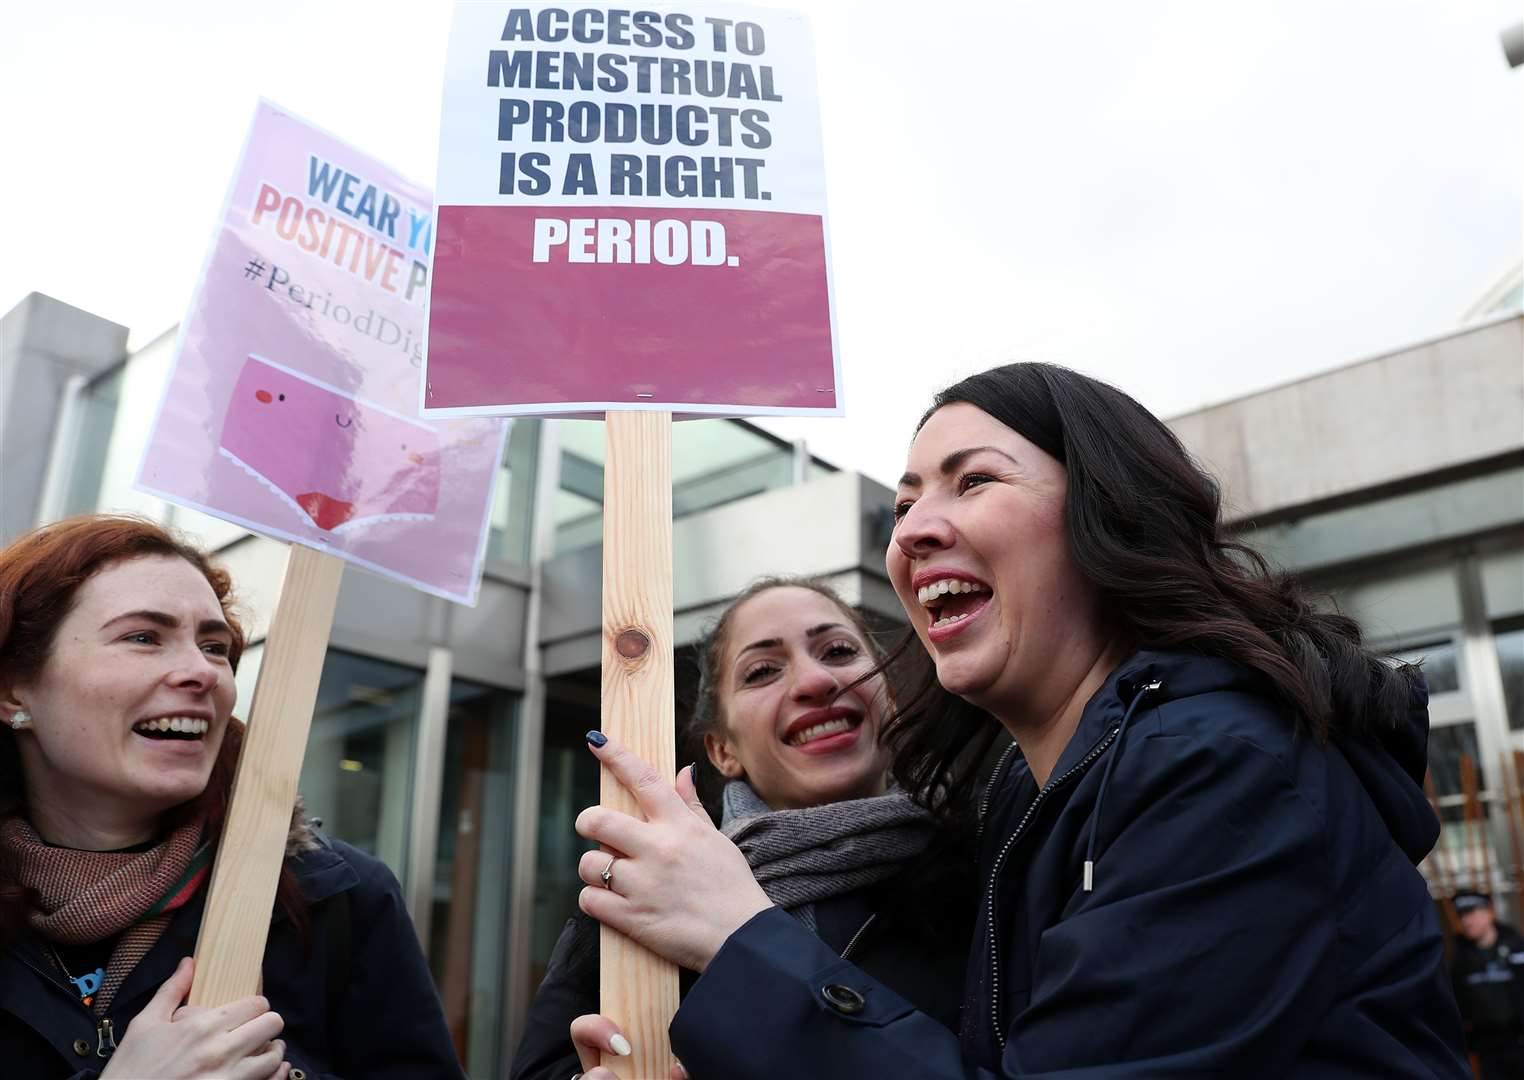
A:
[607, 877]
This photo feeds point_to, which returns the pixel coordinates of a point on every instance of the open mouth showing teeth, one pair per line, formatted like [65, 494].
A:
[823, 730]
[172, 727]
[951, 600]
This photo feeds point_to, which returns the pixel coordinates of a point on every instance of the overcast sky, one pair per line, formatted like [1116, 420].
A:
[1193, 200]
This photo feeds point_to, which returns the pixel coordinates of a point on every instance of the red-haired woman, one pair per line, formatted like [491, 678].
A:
[117, 744]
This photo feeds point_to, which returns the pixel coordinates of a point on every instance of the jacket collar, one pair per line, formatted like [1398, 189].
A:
[1179, 675]
[322, 873]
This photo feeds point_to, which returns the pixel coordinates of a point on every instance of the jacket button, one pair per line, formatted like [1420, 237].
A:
[843, 999]
[81, 1048]
[297, 1074]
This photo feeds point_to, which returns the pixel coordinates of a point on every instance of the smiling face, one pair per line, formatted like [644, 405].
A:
[981, 562]
[130, 708]
[785, 725]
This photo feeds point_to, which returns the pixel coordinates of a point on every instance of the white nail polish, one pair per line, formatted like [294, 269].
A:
[620, 1045]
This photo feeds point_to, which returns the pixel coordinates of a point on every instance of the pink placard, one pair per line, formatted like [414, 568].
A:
[631, 215]
[505, 329]
[292, 405]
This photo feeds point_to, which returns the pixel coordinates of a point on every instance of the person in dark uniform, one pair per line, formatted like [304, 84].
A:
[1488, 970]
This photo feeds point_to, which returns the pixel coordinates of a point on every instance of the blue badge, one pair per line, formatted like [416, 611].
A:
[87, 985]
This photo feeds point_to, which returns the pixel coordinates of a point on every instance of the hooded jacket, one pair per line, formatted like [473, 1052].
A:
[1252, 910]
[354, 991]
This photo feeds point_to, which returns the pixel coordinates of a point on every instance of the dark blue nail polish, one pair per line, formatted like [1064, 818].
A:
[596, 738]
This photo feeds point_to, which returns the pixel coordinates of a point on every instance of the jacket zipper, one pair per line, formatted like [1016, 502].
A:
[51, 980]
[105, 1041]
[989, 789]
[1084, 763]
[105, 1037]
[1079, 767]
[846, 953]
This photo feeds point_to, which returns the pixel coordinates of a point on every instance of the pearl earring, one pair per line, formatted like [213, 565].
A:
[20, 719]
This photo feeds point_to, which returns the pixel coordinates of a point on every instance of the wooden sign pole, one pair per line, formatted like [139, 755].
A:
[1475, 826]
[1506, 792]
[241, 893]
[638, 989]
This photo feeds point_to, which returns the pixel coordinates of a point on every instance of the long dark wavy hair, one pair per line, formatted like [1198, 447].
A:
[1145, 529]
[40, 573]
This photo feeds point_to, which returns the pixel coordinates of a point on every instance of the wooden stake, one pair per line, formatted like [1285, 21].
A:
[1441, 854]
[241, 894]
[1475, 834]
[638, 990]
[1508, 786]
[1515, 770]
[1445, 882]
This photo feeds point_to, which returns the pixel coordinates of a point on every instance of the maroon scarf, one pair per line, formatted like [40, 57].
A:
[87, 896]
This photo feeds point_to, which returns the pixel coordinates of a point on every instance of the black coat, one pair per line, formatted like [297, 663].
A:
[911, 932]
[356, 995]
[1489, 986]
[1254, 912]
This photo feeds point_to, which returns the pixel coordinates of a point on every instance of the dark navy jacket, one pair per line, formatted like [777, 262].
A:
[356, 996]
[1254, 912]
[910, 932]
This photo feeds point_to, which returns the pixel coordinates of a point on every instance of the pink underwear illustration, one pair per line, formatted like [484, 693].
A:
[335, 459]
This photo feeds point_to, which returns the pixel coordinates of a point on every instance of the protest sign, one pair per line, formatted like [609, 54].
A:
[631, 215]
[291, 408]
[631, 220]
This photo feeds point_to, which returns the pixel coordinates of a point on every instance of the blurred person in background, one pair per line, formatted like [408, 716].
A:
[1487, 968]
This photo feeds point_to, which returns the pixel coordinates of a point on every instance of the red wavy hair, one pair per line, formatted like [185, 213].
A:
[40, 573]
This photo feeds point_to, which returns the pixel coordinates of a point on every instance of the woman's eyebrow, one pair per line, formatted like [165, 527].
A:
[765, 643]
[170, 622]
[951, 462]
[773, 643]
[958, 457]
[816, 631]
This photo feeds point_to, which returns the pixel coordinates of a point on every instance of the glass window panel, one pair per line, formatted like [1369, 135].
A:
[473, 870]
[1406, 605]
[1503, 583]
[568, 783]
[1511, 300]
[513, 499]
[358, 772]
[139, 393]
[1441, 664]
[713, 462]
[1447, 745]
[584, 438]
[700, 447]
[1511, 659]
[97, 420]
[579, 521]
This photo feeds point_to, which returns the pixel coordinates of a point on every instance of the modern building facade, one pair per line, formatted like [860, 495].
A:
[448, 740]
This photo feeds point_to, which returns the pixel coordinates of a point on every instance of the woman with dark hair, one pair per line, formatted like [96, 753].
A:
[118, 645]
[1198, 855]
[787, 722]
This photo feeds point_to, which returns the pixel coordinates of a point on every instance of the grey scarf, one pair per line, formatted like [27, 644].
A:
[803, 856]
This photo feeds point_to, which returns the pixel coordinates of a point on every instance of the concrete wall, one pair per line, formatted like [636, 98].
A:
[43, 343]
[1451, 402]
